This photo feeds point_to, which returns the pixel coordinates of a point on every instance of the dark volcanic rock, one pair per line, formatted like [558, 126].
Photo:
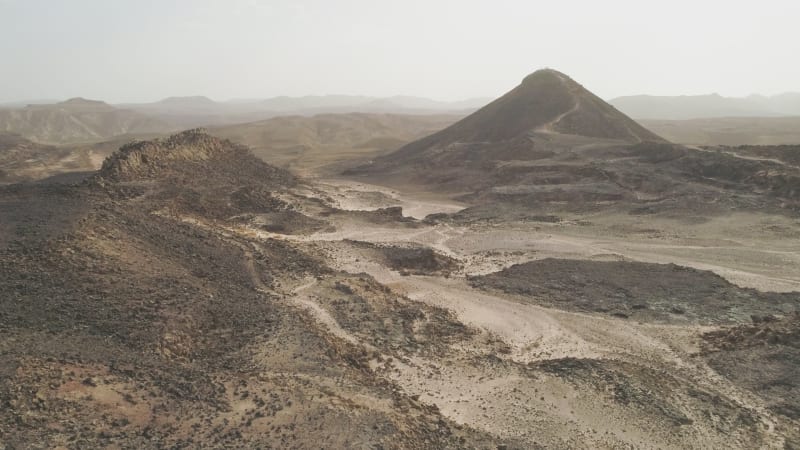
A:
[640, 291]
[410, 258]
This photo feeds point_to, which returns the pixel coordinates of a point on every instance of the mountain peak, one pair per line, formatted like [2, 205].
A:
[83, 104]
[546, 74]
[82, 101]
[192, 157]
[147, 159]
[547, 101]
[546, 110]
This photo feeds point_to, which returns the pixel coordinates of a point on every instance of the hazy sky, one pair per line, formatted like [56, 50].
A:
[144, 50]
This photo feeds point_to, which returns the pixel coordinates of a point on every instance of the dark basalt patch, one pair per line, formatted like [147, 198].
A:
[411, 259]
[763, 357]
[662, 293]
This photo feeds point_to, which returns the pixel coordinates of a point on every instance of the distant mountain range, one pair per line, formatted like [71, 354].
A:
[353, 103]
[202, 111]
[80, 120]
[783, 130]
[77, 120]
[304, 143]
[707, 106]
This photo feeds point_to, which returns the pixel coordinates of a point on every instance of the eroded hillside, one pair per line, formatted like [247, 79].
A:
[189, 294]
[134, 316]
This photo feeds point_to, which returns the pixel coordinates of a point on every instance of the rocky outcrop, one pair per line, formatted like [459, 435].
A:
[145, 159]
[190, 157]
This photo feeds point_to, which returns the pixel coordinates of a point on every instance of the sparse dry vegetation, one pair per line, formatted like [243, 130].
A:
[593, 286]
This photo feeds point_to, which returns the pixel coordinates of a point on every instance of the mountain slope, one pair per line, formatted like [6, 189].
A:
[550, 143]
[77, 120]
[191, 155]
[162, 304]
[309, 143]
[21, 159]
[546, 101]
[139, 312]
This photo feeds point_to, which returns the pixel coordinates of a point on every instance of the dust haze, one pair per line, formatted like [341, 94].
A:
[504, 225]
[140, 52]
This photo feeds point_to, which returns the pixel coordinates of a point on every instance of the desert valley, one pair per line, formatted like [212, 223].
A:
[541, 271]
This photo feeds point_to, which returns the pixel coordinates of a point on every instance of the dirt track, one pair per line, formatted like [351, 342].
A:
[499, 397]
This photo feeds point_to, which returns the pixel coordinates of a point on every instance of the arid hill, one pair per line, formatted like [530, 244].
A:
[318, 145]
[546, 112]
[201, 111]
[189, 294]
[311, 143]
[551, 144]
[546, 101]
[22, 160]
[77, 121]
[137, 312]
[192, 155]
[198, 111]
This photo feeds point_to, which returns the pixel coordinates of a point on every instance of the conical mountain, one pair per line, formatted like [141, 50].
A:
[550, 144]
[546, 102]
[549, 101]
